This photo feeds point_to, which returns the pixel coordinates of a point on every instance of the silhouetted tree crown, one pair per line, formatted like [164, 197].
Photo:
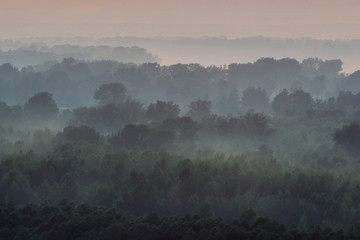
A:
[348, 137]
[80, 134]
[256, 99]
[297, 102]
[199, 110]
[110, 93]
[161, 110]
[42, 105]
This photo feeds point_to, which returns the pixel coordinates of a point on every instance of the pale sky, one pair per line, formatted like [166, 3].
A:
[321, 19]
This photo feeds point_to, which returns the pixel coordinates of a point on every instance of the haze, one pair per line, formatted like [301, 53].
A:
[319, 19]
[164, 119]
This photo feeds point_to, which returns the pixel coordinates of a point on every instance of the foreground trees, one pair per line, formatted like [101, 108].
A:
[139, 181]
[65, 220]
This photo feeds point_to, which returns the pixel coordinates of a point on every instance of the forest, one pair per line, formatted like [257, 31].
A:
[100, 149]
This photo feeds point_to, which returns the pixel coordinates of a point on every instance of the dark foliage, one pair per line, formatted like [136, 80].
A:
[295, 103]
[134, 160]
[65, 220]
[110, 117]
[256, 99]
[80, 134]
[41, 105]
[110, 93]
[199, 110]
[160, 111]
[185, 128]
[349, 138]
[142, 137]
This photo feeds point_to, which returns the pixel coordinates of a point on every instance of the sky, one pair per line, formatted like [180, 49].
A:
[319, 19]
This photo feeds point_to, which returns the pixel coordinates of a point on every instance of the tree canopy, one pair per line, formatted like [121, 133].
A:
[110, 93]
[42, 105]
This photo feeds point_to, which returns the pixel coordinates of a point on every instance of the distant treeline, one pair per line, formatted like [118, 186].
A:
[73, 82]
[39, 53]
[220, 50]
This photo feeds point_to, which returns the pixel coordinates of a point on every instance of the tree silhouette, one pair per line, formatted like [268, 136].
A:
[42, 105]
[199, 110]
[349, 138]
[114, 93]
[256, 99]
[161, 111]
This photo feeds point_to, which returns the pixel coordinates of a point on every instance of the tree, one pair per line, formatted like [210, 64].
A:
[114, 93]
[280, 102]
[300, 102]
[228, 102]
[109, 117]
[256, 124]
[81, 134]
[143, 137]
[199, 110]
[162, 110]
[42, 105]
[256, 99]
[349, 138]
[185, 128]
[297, 102]
[330, 68]
[133, 136]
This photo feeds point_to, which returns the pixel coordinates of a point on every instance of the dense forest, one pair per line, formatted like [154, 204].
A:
[96, 149]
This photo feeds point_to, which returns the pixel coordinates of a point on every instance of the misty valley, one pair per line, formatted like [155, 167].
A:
[108, 149]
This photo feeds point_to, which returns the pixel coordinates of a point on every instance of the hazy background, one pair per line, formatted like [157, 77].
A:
[210, 32]
[321, 19]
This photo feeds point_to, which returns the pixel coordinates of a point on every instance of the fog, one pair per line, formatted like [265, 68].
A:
[164, 119]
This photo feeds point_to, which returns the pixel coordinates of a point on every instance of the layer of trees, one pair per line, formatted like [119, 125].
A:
[39, 53]
[291, 157]
[72, 82]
